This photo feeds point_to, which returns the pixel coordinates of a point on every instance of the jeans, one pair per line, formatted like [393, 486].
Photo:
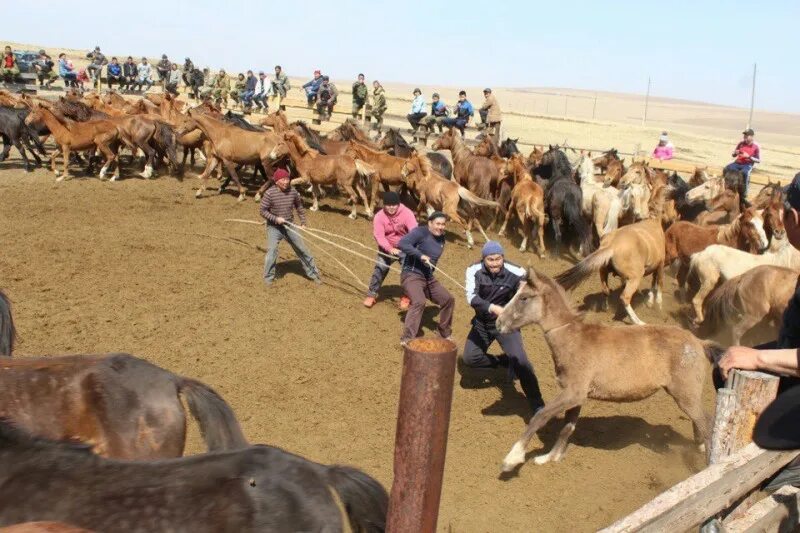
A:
[246, 97]
[481, 336]
[746, 170]
[459, 123]
[260, 100]
[141, 82]
[414, 118]
[382, 264]
[275, 234]
[419, 289]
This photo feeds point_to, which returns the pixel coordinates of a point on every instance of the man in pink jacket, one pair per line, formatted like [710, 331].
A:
[391, 224]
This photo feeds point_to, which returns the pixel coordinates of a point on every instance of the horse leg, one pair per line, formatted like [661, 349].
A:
[745, 324]
[687, 392]
[149, 154]
[363, 195]
[604, 272]
[556, 235]
[540, 234]
[315, 194]
[65, 154]
[351, 193]
[480, 228]
[707, 283]
[211, 164]
[567, 399]
[556, 453]
[524, 228]
[232, 173]
[18, 145]
[631, 286]
[655, 290]
[683, 274]
[510, 210]
[111, 158]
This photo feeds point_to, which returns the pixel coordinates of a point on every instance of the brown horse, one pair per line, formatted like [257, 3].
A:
[43, 527]
[7, 332]
[319, 142]
[722, 209]
[742, 302]
[535, 157]
[191, 140]
[766, 194]
[351, 131]
[342, 170]
[488, 149]
[388, 168]
[683, 239]
[256, 489]
[437, 193]
[122, 406]
[100, 134]
[527, 202]
[277, 121]
[631, 252]
[478, 174]
[603, 362]
[604, 160]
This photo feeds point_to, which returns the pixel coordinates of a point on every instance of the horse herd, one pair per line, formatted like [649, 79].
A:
[630, 221]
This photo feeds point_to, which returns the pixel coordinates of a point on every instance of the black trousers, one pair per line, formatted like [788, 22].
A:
[414, 118]
[481, 336]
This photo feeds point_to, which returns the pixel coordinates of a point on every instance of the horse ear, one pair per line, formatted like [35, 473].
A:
[533, 279]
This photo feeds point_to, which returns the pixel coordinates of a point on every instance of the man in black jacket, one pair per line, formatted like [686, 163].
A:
[491, 283]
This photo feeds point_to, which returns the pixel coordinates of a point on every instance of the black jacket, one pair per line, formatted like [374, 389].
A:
[485, 288]
[129, 70]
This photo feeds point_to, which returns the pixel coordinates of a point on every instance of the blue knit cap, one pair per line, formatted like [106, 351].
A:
[492, 248]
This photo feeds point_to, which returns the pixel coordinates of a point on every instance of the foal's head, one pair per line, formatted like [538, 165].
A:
[539, 300]
[416, 168]
[706, 191]
[751, 225]
[446, 142]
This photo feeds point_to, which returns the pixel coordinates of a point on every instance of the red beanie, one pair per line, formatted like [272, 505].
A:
[279, 174]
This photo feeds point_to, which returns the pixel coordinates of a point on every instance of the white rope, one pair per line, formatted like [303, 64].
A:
[320, 248]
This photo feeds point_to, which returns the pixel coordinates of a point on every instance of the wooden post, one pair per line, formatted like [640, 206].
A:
[594, 106]
[426, 393]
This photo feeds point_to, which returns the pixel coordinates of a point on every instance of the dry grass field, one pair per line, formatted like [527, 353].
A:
[142, 266]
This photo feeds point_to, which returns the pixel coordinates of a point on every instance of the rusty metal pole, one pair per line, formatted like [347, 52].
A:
[423, 419]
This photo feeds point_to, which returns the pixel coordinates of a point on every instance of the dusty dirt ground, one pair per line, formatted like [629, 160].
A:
[143, 267]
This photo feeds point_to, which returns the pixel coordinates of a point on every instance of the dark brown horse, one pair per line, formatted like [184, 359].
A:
[123, 406]
[7, 332]
[257, 489]
[394, 142]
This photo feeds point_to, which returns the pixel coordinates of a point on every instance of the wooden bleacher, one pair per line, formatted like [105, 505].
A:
[25, 82]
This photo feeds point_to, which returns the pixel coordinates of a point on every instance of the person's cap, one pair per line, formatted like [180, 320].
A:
[487, 90]
[325, 78]
[42, 53]
[280, 174]
[391, 198]
[436, 95]
[492, 248]
[435, 215]
[317, 72]
[778, 427]
[163, 56]
[417, 91]
[663, 137]
[748, 131]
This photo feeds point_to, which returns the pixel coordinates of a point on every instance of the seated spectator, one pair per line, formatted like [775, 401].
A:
[45, 70]
[491, 114]
[188, 67]
[439, 112]
[417, 110]
[114, 73]
[173, 79]
[82, 79]
[261, 91]
[129, 72]
[238, 88]
[163, 68]
[312, 87]
[249, 90]
[196, 81]
[143, 75]
[747, 154]
[279, 87]
[95, 68]
[464, 112]
[9, 68]
[326, 98]
[664, 149]
[67, 71]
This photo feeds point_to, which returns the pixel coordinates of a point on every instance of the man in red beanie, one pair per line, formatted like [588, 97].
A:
[277, 207]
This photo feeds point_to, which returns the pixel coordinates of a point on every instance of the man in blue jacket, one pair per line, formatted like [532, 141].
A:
[423, 246]
[464, 111]
[491, 283]
[114, 73]
[312, 87]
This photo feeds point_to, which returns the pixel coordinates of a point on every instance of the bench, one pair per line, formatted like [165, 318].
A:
[24, 82]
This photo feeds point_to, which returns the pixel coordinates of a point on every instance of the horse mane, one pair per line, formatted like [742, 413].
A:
[727, 232]
[75, 110]
[560, 165]
[398, 138]
[559, 290]
[312, 139]
[300, 143]
[425, 167]
[12, 436]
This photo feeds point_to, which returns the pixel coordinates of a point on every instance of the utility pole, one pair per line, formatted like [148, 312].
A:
[594, 106]
[646, 102]
[752, 97]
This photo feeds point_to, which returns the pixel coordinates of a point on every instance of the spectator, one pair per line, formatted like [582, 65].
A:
[114, 73]
[491, 115]
[45, 70]
[417, 110]
[173, 79]
[326, 98]
[67, 71]
[129, 74]
[360, 93]
[144, 75]
[222, 86]
[95, 68]
[747, 154]
[378, 104]
[82, 78]
[187, 69]
[261, 91]
[664, 149]
[439, 112]
[238, 88]
[249, 90]
[312, 88]
[10, 69]
[208, 88]
[464, 111]
[196, 82]
[163, 68]
[279, 87]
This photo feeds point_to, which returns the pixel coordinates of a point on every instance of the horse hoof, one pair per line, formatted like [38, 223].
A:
[59, 178]
[113, 178]
[542, 459]
[352, 216]
[257, 198]
[241, 198]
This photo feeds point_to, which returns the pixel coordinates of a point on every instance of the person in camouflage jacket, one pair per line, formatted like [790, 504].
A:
[222, 86]
[360, 93]
[378, 104]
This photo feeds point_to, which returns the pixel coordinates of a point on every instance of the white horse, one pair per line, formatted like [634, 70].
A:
[711, 188]
[601, 203]
[720, 261]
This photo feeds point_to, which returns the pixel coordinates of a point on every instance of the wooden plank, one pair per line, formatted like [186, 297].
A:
[778, 512]
[691, 502]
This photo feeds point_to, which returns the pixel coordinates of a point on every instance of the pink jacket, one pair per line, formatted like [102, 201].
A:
[663, 152]
[389, 230]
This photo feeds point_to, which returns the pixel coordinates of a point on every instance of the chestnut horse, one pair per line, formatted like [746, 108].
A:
[478, 174]
[388, 168]
[722, 209]
[260, 488]
[527, 202]
[317, 169]
[395, 144]
[604, 362]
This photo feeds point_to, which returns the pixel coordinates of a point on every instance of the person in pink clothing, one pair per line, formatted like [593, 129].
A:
[664, 148]
[391, 224]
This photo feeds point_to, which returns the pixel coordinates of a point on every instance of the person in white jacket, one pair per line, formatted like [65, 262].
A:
[144, 71]
[262, 91]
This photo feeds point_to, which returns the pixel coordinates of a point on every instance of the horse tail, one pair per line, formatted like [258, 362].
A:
[721, 304]
[573, 215]
[592, 263]
[7, 332]
[612, 218]
[472, 198]
[364, 499]
[165, 139]
[217, 421]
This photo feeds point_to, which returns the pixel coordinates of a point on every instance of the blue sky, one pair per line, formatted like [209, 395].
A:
[700, 50]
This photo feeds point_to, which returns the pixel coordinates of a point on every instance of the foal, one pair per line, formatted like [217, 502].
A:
[602, 362]
[527, 202]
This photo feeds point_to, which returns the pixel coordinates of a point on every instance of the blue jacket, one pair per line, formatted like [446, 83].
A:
[792, 192]
[485, 288]
[438, 109]
[62, 68]
[418, 104]
[312, 86]
[464, 109]
[418, 242]
[114, 70]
